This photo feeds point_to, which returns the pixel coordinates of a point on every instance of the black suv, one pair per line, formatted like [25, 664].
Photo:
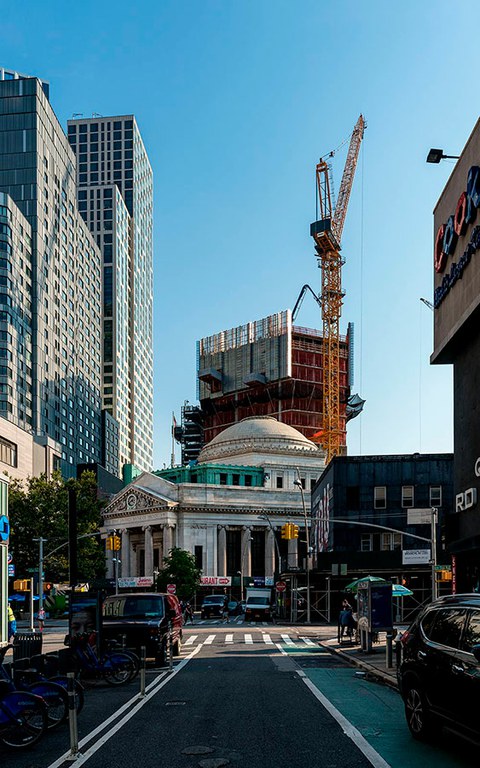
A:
[144, 619]
[213, 605]
[438, 668]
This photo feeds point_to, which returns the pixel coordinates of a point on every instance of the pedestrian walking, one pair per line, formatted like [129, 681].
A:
[41, 618]
[12, 624]
[225, 615]
[188, 613]
[346, 622]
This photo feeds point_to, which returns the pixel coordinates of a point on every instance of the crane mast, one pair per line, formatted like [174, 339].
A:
[327, 234]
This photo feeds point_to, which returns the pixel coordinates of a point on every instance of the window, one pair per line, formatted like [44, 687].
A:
[279, 481]
[407, 495]
[448, 627]
[366, 542]
[248, 480]
[380, 497]
[353, 497]
[8, 452]
[223, 478]
[235, 479]
[390, 541]
[471, 636]
[435, 495]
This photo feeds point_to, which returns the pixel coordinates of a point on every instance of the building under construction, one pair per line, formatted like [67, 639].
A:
[266, 367]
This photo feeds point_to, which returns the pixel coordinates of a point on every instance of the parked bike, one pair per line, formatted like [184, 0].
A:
[116, 668]
[23, 718]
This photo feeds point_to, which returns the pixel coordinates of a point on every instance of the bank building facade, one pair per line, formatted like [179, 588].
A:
[227, 509]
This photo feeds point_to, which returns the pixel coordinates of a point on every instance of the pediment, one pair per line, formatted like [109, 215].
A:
[135, 501]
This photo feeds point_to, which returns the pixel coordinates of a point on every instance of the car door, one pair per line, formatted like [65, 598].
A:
[467, 673]
[439, 653]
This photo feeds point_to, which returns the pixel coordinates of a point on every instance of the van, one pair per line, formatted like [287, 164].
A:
[143, 619]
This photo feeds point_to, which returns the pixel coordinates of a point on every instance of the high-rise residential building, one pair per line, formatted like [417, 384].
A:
[115, 197]
[50, 286]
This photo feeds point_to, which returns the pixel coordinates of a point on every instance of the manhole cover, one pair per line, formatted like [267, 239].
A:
[197, 750]
[214, 762]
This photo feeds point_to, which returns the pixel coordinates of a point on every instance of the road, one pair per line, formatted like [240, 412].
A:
[251, 695]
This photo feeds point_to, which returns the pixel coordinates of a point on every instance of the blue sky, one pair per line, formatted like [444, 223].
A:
[236, 101]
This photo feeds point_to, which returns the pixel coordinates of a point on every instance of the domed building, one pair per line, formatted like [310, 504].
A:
[227, 509]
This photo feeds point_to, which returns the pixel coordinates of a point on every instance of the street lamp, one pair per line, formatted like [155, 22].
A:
[298, 483]
[40, 540]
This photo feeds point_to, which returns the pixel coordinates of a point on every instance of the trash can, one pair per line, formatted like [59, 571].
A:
[26, 645]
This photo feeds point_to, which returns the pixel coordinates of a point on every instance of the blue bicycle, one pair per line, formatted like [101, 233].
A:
[116, 668]
[23, 718]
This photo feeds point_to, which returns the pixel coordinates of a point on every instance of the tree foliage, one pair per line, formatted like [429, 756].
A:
[179, 569]
[39, 508]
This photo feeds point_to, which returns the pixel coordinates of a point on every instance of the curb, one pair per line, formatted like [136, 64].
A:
[384, 677]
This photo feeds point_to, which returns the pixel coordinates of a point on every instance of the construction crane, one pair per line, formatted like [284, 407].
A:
[327, 234]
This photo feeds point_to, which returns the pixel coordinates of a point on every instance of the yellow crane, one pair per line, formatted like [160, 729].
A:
[327, 234]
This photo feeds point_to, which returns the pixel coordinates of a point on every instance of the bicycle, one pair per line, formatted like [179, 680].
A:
[39, 670]
[54, 696]
[116, 668]
[23, 718]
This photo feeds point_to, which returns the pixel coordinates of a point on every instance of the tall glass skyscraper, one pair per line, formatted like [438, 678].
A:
[50, 282]
[115, 197]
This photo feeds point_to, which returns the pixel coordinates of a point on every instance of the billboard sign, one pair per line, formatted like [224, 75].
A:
[216, 581]
[416, 556]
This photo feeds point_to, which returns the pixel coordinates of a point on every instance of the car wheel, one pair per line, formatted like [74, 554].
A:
[418, 717]
[177, 647]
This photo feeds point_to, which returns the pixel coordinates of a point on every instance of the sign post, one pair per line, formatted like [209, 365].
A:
[171, 589]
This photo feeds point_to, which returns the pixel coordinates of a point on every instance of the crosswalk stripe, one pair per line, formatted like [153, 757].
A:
[248, 639]
[286, 639]
[229, 638]
[191, 640]
[307, 641]
[267, 639]
[209, 640]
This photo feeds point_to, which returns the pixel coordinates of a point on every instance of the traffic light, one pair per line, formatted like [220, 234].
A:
[286, 531]
[293, 531]
[113, 543]
[21, 585]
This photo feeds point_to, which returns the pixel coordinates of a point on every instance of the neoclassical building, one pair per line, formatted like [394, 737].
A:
[228, 509]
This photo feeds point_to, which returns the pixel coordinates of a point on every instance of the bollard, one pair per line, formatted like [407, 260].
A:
[170, 648]
[72, 718]
[389, 650]
[143, 658]
[124, 641]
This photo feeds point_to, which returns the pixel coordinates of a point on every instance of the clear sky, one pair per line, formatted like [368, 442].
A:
[236, 100]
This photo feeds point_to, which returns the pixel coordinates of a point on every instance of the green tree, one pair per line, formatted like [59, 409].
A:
[180, 569]
[39, 508]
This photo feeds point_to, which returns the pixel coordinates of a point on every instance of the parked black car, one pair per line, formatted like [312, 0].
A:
[213, 606]
[144, 618]
[438, 668]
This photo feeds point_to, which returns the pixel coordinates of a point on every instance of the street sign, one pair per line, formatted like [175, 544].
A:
[171, 589]
[415, 556]
[135, 581]
[280, 586]
[216, 581]
[419, 517]
[11, 569]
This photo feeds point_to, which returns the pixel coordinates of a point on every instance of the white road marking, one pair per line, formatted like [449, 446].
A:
[209, 640]
[229, 638]
[191, 640]
[248, 639]
[370, 753]
[153, 688]
[307, 641]
[286, 639]
[267, 639]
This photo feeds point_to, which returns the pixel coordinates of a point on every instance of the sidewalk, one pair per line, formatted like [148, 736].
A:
[374, 663]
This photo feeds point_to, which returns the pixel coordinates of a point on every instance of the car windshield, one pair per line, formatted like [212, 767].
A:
[214, 600]
[258, 601]
[134, 608]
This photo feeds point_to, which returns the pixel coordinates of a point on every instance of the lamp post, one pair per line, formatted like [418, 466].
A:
[307, 536]
[433, 524]
[116, 563]
[40, 573]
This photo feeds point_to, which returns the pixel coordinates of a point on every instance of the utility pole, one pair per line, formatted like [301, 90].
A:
[434, 552]
[307, 536]
[40, 572]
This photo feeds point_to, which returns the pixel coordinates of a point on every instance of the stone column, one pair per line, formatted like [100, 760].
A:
[246, 553]
[125, 556]
[148, 550]
[222, 550]
[109, 563]
[292, 558]
[167, 540]
[269, 552]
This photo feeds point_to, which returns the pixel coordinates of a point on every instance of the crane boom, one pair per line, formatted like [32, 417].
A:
[327, 232]
[347, 178]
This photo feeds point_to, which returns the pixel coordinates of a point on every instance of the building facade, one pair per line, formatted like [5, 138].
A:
[115, 198]
[228, 509]
[457, 342]
[360, 511]
[50, 273]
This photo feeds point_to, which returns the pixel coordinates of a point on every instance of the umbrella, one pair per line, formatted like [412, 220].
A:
[398, 590]
[354, 584]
